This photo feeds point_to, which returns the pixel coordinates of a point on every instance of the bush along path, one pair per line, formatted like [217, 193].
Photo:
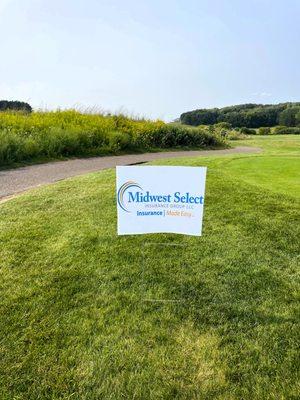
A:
[14, 181]
[49, 135]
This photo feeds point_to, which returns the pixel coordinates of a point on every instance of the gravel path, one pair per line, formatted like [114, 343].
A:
[13, 181]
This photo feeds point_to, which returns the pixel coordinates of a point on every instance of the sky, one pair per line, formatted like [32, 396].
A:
[153, 59]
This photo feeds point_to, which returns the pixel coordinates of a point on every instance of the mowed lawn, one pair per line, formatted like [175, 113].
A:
[74, 323]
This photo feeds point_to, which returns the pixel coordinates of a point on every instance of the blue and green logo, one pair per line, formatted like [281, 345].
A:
[123, 189]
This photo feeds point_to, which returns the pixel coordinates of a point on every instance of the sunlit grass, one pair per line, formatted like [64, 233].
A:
[73, 320]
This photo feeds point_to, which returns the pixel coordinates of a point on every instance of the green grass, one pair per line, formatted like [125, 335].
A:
[269, 172]
[278, 170]
[40, 136]
[73, 321]
[283, 145]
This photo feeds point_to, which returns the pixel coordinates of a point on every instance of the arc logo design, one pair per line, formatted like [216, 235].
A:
[122, 190]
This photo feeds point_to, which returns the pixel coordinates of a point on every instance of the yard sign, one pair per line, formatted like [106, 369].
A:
[153, 199]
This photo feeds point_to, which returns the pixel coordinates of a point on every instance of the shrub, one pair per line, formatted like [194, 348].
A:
[119, 141]
[11, 147]
[235, 135]
[264, 130]
[176, 136]
[70, 133]
[247, 131]
[223, 125]
[286, 130]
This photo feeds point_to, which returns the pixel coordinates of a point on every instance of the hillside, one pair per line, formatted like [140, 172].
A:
[248, 115]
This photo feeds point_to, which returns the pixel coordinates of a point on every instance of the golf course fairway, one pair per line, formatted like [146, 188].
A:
[74, 323]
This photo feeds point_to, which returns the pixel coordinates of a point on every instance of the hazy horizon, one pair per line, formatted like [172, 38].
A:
[147, 58]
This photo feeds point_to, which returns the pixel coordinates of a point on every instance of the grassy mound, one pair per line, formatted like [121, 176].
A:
[73, 321]
[47, 135]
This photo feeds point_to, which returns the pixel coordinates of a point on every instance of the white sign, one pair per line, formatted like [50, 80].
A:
[153, 199]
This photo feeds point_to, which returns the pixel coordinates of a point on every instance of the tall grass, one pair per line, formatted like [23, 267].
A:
[54, 134]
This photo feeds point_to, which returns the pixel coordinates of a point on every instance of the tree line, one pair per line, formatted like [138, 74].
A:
[7, 105]
[246, 115]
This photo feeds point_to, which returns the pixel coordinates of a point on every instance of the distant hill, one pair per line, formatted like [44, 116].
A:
[248, 115]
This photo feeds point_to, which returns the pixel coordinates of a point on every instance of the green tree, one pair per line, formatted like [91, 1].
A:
[298, 118]
[245, 115]
[6, 105]
[288, 116]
